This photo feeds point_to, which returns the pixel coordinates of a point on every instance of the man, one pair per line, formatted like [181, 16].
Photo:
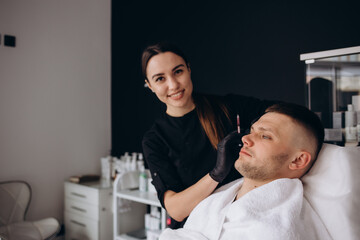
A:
[268, 202]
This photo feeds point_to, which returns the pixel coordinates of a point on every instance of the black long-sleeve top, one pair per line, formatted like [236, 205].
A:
[179, 153]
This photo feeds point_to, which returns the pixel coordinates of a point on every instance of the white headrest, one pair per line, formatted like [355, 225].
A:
[333, 189]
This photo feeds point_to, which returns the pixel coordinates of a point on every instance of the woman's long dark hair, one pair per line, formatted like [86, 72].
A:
[209, 109]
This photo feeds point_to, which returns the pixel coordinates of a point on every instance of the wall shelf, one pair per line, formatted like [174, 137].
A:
[134, 217]
[332, 84]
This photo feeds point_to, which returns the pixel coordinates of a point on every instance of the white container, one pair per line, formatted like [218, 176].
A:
[358, 125]
[350, 125]
[151, 187]
[106, 168]
[337, 120]
[333, 135]
[143, 182]
[356, 102]
[147, 221]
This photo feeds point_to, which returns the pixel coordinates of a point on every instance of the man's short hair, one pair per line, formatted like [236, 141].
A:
[302, 115]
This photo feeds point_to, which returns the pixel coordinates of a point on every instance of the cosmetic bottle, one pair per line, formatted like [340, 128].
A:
[106, 168]
[356, 105]
[335, 134]
[142, 177]
[127, 163]
[358, 126]
[350, 127]
[113, 167]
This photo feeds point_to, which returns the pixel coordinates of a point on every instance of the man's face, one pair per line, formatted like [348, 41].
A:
[269, 148]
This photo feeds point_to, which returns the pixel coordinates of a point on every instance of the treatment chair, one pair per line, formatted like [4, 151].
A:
[332, 188]
[15, 198]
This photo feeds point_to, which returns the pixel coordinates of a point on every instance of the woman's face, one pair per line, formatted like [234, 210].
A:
[169, 78]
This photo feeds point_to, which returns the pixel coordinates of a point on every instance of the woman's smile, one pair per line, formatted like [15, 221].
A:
[176, 96]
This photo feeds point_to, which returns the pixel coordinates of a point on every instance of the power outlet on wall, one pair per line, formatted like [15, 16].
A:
[9, 40]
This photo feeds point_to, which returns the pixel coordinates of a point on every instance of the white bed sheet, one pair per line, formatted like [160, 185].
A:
[332, 187]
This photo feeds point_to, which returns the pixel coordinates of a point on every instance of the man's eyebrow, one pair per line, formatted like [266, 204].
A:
[160, 74]
[263, 129]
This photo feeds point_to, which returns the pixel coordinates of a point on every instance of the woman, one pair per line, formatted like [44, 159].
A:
[183, 149]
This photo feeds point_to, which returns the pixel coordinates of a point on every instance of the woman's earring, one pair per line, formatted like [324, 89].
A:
[146, 85]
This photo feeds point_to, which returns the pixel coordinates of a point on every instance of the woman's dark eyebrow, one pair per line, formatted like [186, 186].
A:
[180, 65]
[159, 74]
[155, 75]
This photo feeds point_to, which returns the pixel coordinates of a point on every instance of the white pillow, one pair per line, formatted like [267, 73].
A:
[332, 187]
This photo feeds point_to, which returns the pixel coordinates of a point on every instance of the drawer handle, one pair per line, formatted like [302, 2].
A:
[78, 195]
[78, 223]
[79, 209]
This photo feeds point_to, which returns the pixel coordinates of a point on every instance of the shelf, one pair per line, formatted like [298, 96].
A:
[330, 53]
[329, 63]
[135, 217]
[141, 197]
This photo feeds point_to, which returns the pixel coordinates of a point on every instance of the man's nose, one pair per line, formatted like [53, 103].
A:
[247, 141]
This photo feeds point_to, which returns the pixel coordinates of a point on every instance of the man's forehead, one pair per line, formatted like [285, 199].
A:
[274, 122]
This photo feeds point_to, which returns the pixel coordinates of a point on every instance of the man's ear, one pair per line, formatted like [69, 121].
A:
[301, 161]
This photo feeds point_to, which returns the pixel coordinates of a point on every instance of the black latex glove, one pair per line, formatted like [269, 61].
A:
[227, 153]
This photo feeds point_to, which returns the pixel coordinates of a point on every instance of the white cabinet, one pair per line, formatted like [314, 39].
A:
[88, 211]
[135, 215]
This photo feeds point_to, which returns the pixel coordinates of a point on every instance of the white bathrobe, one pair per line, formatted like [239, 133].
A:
[276, 210]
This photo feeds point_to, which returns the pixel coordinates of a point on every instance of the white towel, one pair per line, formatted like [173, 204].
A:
[181, 234]
[276, 210]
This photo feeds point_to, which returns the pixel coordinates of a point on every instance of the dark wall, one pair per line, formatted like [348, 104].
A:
[234, 47]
